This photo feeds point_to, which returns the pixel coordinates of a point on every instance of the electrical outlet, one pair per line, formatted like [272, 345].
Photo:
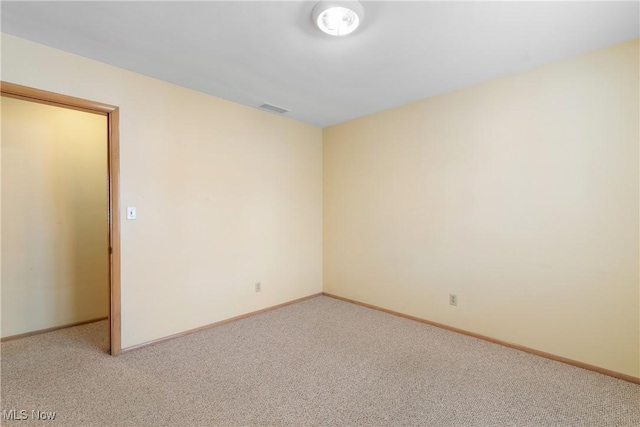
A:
[453, 299]
[258, 286]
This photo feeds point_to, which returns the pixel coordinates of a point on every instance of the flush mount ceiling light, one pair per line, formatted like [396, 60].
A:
[338, 18]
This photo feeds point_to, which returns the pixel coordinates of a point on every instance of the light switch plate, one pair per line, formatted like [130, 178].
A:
[131, 212]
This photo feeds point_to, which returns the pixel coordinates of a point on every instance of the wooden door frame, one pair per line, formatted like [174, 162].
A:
[112, 113]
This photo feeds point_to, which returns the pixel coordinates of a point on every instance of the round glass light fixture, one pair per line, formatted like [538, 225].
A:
[338, 18]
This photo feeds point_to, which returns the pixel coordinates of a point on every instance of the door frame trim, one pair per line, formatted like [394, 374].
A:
[112, 113]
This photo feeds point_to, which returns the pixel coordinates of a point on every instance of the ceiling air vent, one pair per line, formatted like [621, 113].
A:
[273, 108]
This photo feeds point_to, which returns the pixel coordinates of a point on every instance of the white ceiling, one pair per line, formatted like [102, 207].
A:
[257, 52]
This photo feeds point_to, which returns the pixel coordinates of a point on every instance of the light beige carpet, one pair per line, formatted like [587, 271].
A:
[318, 362]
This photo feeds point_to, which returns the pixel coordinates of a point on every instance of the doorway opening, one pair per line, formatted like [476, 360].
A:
[11, 90]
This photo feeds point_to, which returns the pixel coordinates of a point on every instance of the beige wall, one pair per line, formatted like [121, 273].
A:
[520, 195]
[227, 195]
[54, 217]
